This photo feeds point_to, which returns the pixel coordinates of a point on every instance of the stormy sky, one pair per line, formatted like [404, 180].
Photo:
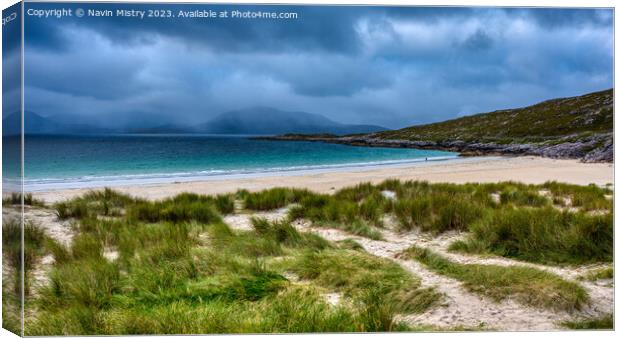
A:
[392, 67]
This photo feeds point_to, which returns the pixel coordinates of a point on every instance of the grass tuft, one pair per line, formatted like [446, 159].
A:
[272, 198]
[602, 273]
[542, 235]
[526, 285]
[15, 198]
[605, 322]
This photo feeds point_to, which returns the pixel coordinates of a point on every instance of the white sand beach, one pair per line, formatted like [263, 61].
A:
[459, 307]
[534, 170]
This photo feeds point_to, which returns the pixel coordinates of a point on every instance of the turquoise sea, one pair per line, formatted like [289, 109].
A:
[96, 160]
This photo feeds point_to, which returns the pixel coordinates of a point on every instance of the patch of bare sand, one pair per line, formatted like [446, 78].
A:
[60, 230]
[40, 274]
[460, 307]
[601, 294]
[242, 221]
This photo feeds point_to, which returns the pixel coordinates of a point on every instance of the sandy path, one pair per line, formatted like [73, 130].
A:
[46, 219]
[459, 308]
[524, 169]
[59, 230]
[601, 293]
[242, 221]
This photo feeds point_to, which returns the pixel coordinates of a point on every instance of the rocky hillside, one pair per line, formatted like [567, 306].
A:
[577, 127]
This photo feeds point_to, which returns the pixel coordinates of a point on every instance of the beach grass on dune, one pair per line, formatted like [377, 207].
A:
[16, 199]
[367, 277]
[36, 244]
[177, 268]
[526, 285]
[359, 217]
[183, 207]
[543, 235]
[587, 198]
[597, 274]
[271, 198]
[605, 322]
[174, 266]
[552, 223]
[573, 222]
[11, 272]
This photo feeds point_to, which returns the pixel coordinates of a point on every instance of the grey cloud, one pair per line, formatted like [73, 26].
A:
[383, 66]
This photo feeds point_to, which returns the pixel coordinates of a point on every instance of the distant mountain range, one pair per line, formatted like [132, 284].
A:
[37, 124]
[251, 121]
[270, 121]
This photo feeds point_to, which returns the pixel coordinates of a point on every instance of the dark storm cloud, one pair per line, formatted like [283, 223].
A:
[331, 28]
[553, 18]
[383, 65]
[479, 40]
[11, 60]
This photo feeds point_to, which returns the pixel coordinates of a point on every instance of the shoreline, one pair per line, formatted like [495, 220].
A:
[526, 169]
[43, 185]
[597, 148]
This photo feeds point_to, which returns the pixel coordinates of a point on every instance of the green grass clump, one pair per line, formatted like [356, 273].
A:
[11, 311]
[106, 202]
[526, 285]
[368, 279]
[350, 244]
[272, 198]
[71, 209]
[223, 203]
[602, 273]
[437, 212]
[542, 235]
[183, 207]
[36, 244]
[605, 322]
[523, 197]
[284, 233]
[358, 218]
[179, 272]
[586, 198]
[174, 266]
[179, 209]
[15, 198]
[357, 193]
[440, 207]
[12, 251]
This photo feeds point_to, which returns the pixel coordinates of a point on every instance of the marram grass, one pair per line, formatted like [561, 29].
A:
[174, 266]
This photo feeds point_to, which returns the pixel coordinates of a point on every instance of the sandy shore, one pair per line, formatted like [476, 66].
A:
[523, 169]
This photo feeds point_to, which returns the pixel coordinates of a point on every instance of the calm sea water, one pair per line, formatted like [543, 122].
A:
[58, 159]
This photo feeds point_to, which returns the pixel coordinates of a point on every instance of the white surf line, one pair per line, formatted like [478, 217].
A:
[459, 308]
[94, 182]
[601, 296]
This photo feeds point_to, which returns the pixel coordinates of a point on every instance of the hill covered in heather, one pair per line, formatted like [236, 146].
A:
[574, 127]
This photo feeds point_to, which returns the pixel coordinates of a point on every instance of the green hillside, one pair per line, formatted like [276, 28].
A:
[553, 119]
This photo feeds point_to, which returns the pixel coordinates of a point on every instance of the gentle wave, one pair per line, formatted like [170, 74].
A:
[93, 181]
